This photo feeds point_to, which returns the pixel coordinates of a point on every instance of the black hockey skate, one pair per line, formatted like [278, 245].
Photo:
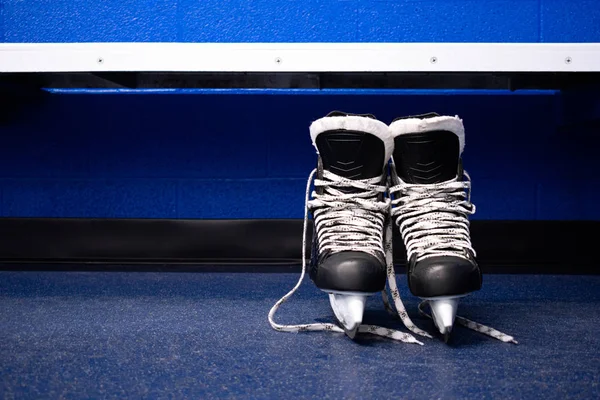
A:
[349, 209]
[431, 205]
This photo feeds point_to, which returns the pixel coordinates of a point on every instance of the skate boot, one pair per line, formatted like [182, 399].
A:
[349, 209]
[431, 205]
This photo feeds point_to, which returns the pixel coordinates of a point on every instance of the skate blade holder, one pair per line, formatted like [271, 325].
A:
[443, 313]
[348, 309]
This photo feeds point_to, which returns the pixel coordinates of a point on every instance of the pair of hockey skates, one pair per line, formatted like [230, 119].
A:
[370, 176]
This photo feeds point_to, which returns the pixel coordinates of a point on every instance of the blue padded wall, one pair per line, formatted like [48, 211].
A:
[2, 36]
[300, 21]
[247, 153]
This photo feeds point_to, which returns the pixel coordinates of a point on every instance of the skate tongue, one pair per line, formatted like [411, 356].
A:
[351, 152]
[427, 157]
[346, 154]
[351, 146]
[427, 148]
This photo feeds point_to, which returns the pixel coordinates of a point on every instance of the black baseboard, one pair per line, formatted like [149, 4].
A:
[558, 247]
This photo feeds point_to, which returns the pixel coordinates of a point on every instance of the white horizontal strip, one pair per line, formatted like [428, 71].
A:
[300, 57]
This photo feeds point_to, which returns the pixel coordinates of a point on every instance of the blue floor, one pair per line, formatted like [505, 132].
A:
[204, 335]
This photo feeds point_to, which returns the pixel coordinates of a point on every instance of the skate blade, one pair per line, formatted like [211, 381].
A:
[349, 310]
[443, 312]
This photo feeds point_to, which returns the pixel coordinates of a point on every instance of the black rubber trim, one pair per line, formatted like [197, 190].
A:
[305, 80]
[555, 247]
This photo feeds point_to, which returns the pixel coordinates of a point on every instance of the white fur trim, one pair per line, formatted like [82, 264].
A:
[442, 123]
[354, 123]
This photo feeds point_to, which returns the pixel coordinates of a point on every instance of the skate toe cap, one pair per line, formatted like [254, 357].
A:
[351, 271]
[443, 276]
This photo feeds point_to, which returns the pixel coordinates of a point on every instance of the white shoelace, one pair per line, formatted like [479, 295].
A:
[349, 221]
[433, 219]
[361, 227]
[344, 221]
